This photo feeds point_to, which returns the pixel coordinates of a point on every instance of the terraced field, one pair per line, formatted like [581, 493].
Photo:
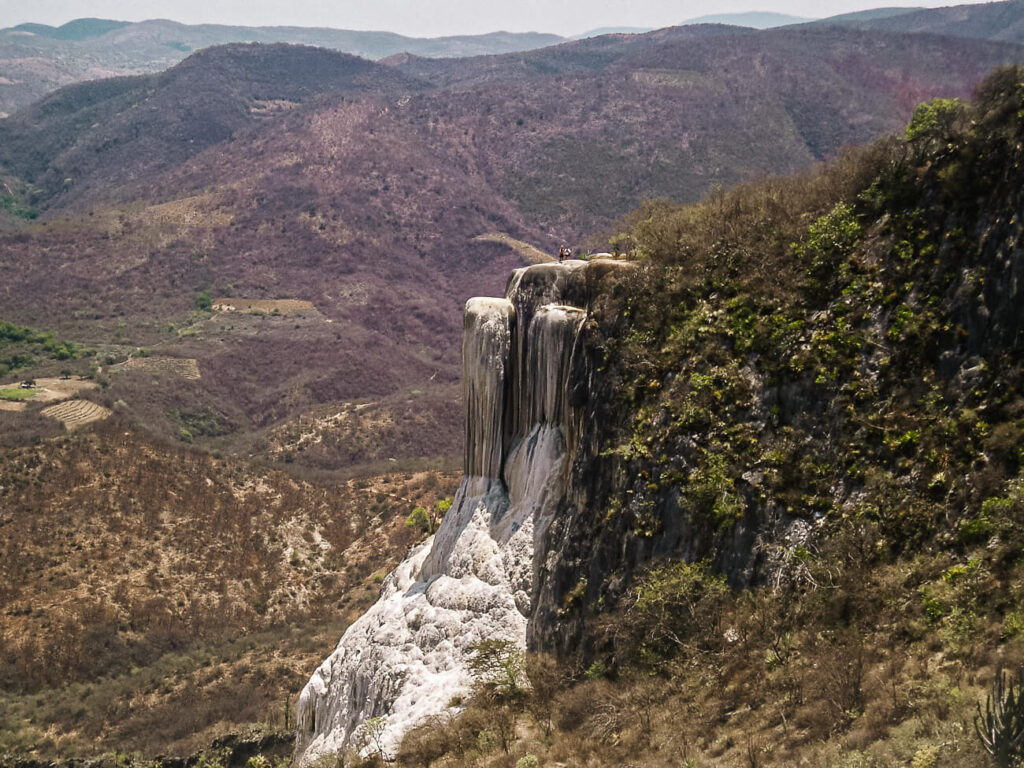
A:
[263, 306]
[76, 413]
[185, 367]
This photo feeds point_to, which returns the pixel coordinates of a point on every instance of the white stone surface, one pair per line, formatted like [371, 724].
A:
[406, 658]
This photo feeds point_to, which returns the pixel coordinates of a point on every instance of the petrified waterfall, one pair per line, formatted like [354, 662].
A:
[406, 658]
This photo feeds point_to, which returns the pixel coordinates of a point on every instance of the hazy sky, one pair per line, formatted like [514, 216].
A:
[422, 18]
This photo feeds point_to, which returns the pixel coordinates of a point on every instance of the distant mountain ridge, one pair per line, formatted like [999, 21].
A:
[872, 15]
[986, 21]
[79, 29]
[752, 19]
[36, 59]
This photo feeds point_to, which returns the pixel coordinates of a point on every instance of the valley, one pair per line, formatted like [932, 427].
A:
[234, 282]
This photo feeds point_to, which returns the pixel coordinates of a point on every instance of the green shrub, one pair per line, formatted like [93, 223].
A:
[675, 605]
[933, 120]
[497, 666]
[204, 302]
[976, 530]
[829, 239]
[1001, 726]
[421, 520]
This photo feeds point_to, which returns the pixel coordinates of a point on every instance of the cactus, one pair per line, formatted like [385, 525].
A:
[1001, 726]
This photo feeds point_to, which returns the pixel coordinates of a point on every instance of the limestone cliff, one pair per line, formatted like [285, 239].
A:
[525, 382]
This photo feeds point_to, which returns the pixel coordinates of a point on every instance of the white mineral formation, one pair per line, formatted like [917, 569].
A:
[406, 658]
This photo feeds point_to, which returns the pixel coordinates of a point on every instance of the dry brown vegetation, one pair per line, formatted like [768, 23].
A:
[155, 597]
[263, 306]
[74, 414]
[185, 367]
[853, 661]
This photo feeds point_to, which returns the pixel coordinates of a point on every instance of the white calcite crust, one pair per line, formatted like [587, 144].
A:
[406, 659]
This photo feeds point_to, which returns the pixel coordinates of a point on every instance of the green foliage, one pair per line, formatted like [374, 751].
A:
[214, 758]
[934, 120]
[15, 200]
[421, 520]
[497, 667]
[1013, 625]
[204, 302]
[28, 341]
[713, 492]
[426, 522]
[976, 530]
[16, 393]
[829, 240]
[1001, 726]
[926, 757]
[373, 736]
[674, 605]
[201, 422]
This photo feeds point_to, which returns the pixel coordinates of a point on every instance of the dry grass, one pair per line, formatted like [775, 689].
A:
[76, 413]
[772, 690]
[183, 367]
[263, 306]
[155, 597]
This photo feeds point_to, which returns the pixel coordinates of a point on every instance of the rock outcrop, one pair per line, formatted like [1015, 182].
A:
[525, 380]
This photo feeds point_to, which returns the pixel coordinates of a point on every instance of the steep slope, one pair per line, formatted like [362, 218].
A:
[793, 508]
[411, 654]
[789, 374]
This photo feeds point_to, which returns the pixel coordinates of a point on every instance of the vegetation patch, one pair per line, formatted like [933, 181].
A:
[74, 414]
[17, 393]
[21, 346]
[815, 412]
[15, 200]
[155, 597]
[263, 306]
[183, 367]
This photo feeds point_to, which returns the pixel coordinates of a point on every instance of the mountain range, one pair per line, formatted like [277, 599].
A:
[35, 59]
[290, 173]
[989, 21]
[258, 260]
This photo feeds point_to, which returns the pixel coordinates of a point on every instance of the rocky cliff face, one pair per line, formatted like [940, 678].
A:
[525, 382]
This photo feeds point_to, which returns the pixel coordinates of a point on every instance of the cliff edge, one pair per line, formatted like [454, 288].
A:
[525, 379]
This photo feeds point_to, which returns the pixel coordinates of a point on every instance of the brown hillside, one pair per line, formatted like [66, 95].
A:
[366, 193]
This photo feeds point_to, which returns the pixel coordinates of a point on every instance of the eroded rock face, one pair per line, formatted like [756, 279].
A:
[406, 658]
